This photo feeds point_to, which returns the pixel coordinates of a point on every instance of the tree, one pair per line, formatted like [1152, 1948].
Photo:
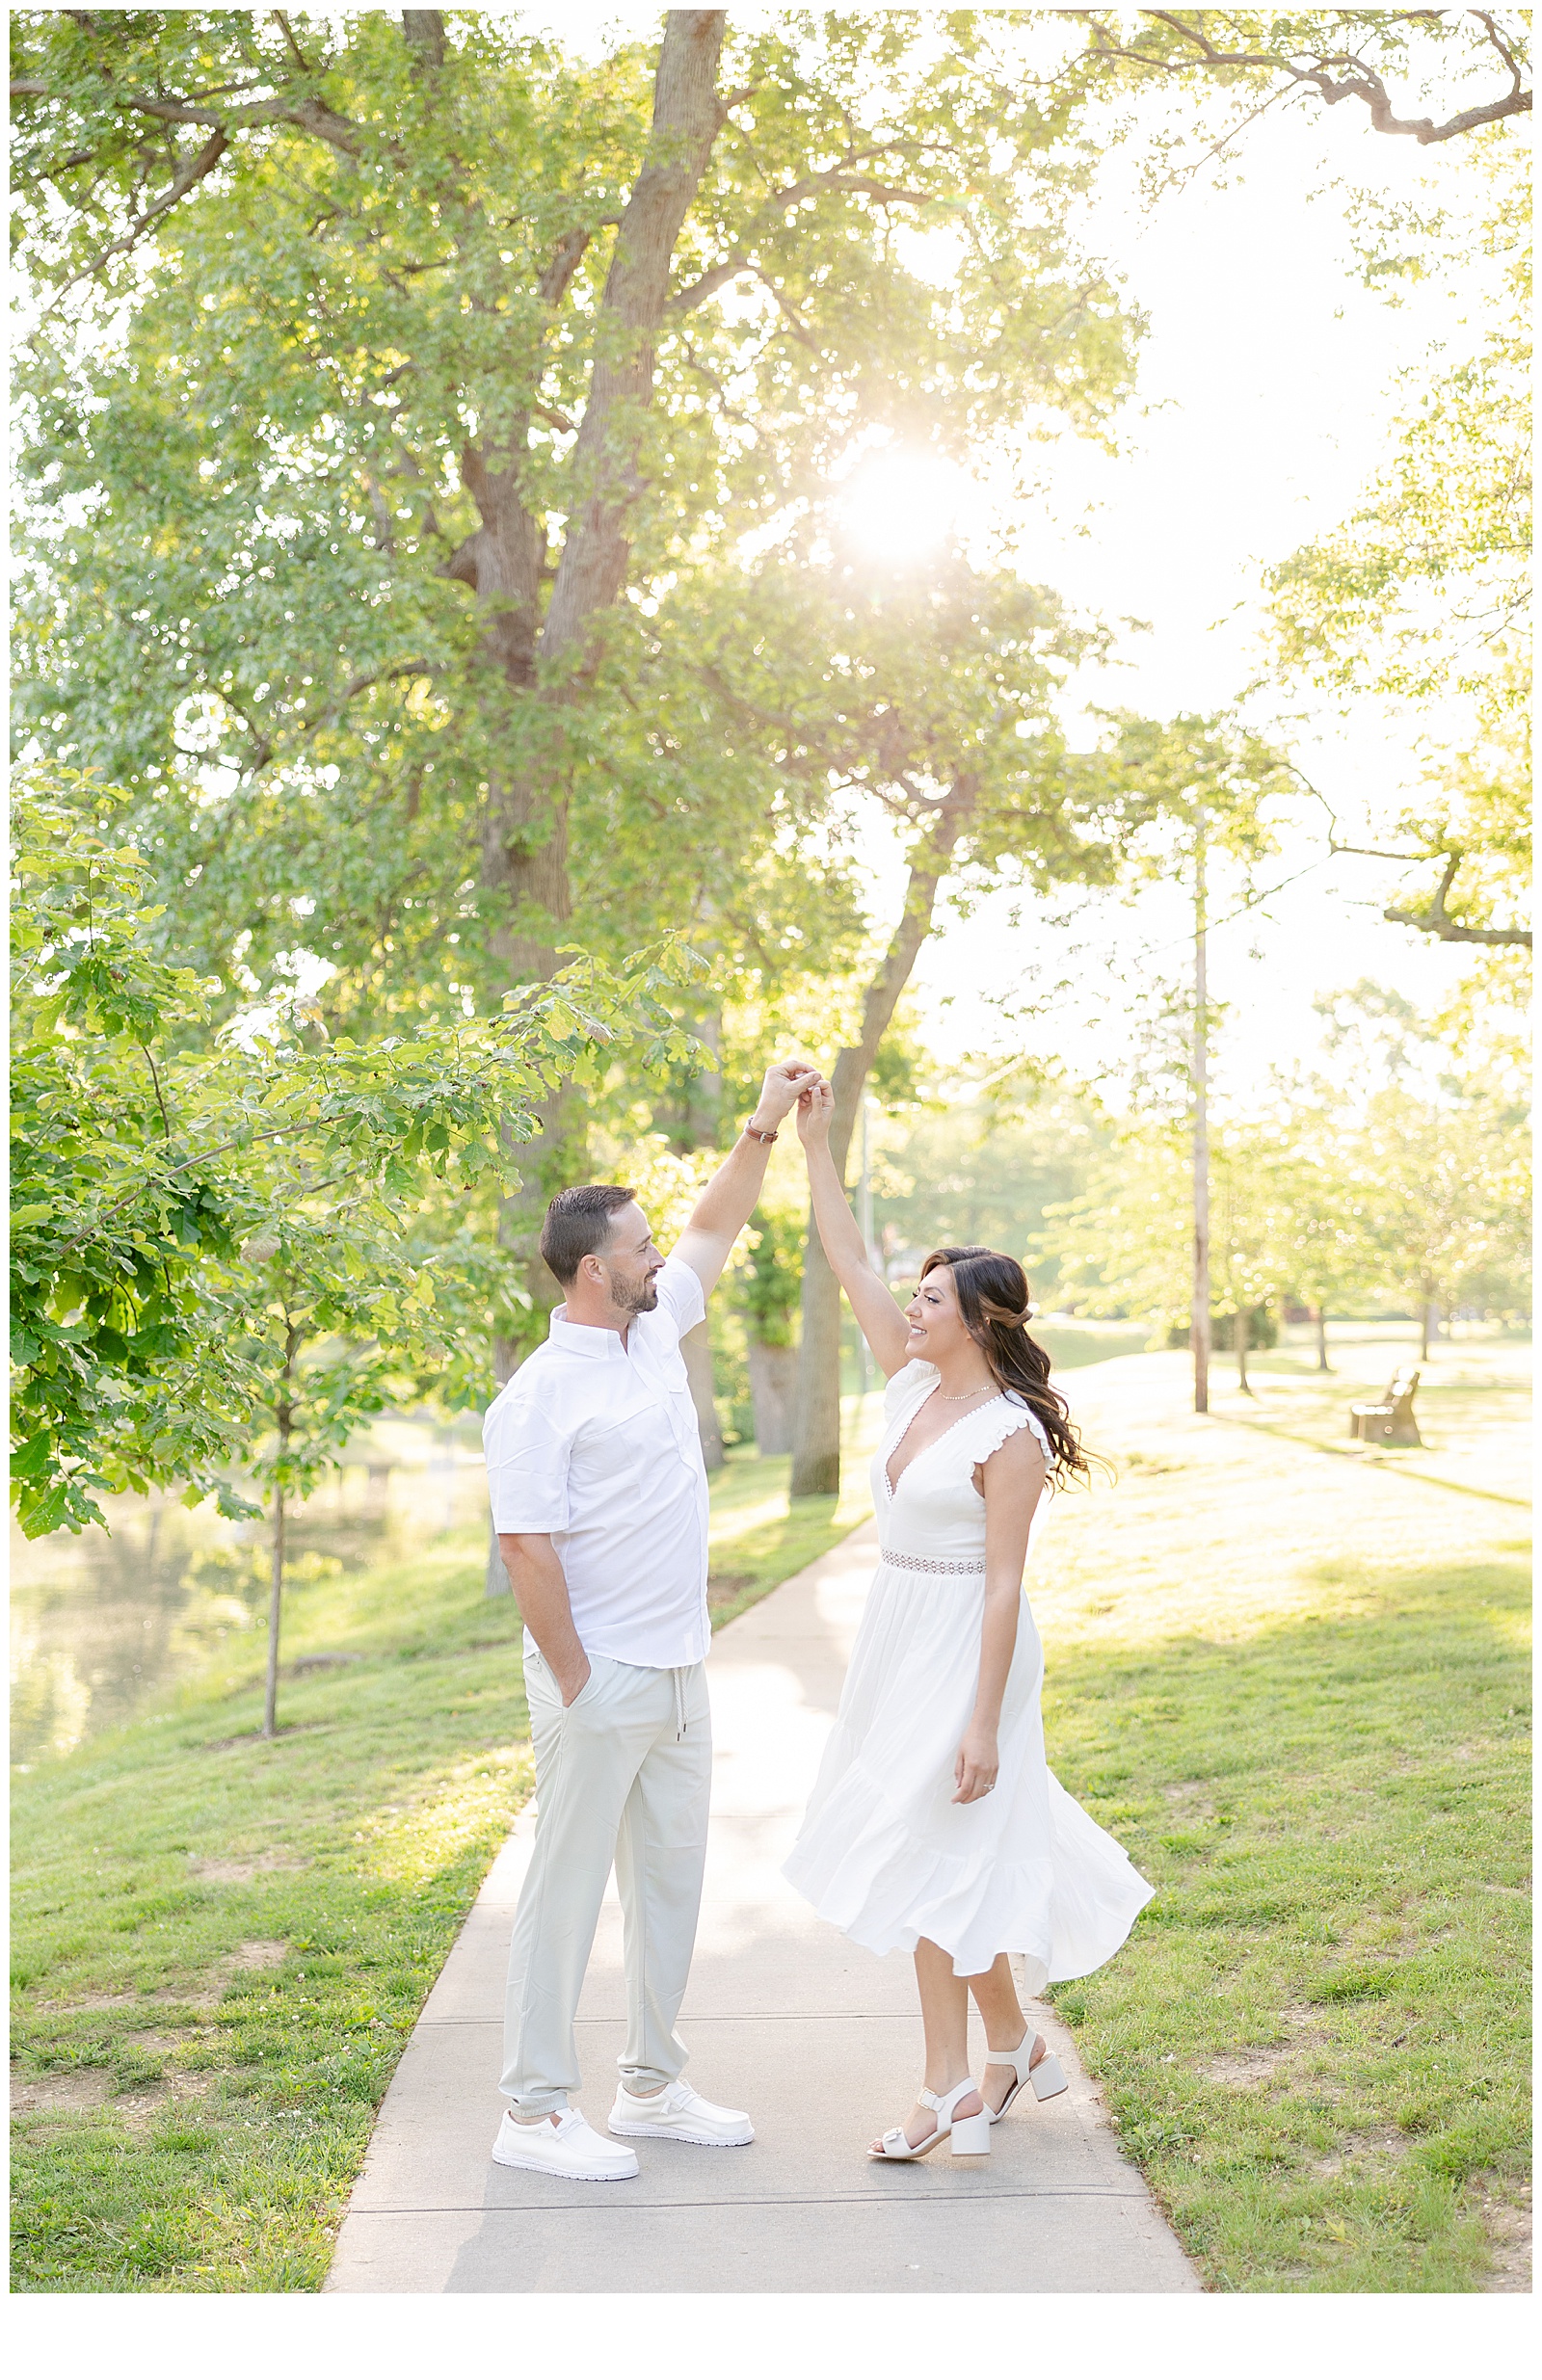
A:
[1448, 1186]
[435, 354]
[1251, 1243]
[159, 1178]
[1421, 595]
[768, 1282]
[930, 692]
[1124, 1247]
[1332, 1248]
[1214, 781]
[1324, 57]
[981, 1169]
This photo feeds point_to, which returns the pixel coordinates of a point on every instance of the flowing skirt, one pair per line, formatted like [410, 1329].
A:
[886, 1855]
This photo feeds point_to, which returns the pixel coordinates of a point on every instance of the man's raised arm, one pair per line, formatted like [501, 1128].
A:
[727, 1203]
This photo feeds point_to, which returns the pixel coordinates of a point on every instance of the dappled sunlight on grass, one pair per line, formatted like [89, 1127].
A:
[1297, 1689]
[449, 1816]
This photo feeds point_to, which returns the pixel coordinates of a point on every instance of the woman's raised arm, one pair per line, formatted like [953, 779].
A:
[883, 1325]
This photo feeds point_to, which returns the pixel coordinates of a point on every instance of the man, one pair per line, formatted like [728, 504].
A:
[600, 1501]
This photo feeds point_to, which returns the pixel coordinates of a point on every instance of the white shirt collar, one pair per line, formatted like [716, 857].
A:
[585, 1338]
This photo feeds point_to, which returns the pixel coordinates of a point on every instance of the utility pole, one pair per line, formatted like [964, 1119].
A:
[865, 1223]
[1199, 1326]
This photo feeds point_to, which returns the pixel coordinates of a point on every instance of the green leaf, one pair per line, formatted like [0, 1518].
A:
[30, 1461]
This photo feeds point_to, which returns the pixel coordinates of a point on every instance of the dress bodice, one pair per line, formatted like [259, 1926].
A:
[935, 1516]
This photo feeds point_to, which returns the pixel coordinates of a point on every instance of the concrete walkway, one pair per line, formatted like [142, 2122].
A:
[819, 2040]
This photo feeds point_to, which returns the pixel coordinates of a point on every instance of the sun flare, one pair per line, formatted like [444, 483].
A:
[900, 505]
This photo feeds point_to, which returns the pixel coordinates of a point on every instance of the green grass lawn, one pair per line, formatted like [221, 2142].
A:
[220, 1946]
[1299, 1691]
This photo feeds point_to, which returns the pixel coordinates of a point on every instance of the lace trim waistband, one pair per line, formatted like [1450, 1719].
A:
[937, 1569]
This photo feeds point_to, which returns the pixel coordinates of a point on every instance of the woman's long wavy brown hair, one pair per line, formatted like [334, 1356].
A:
[994, 1300]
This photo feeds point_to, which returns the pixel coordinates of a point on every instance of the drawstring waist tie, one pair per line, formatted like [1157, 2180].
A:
[679, 1677]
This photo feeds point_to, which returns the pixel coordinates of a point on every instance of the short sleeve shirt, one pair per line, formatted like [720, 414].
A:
[598, 1445]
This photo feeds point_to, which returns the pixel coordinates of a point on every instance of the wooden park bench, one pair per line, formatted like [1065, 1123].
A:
[1389, 1421]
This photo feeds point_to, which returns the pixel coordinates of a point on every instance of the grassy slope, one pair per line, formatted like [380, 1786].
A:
[220, 1946]
[1297, 1688]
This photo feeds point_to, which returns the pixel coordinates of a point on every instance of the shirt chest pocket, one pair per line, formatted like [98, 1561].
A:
[622, 1455]
[670, 1383]
[666, 1371]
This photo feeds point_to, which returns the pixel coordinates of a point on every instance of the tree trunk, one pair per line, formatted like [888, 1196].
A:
[1423, 1326]
[697, 1349]
[525, 872]
[269, 1699]
[773, 1391]
[1199, 1304]
[1245, 1336]
[284, 1414]
[525, 837]
[816, 1424]
[495, 1578]
[606, 461]
[1323, 1365]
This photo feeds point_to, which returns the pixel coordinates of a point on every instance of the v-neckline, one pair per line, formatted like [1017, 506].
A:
[891, 1485]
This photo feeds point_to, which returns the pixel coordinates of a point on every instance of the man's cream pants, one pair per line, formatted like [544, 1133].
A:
[622, 1778]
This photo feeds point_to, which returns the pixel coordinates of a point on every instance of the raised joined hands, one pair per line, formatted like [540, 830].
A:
[817, 1108]
[785, 1084]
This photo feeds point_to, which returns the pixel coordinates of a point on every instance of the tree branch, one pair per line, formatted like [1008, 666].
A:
[887, 194]
[1359, 81]
[313, 115]
[784, 308]
[566, 260]
[1436, 919]
[423, 30]
[280, 17]
[698, 292]
[188, 175]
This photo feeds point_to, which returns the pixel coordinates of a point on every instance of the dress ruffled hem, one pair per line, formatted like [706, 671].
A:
[866, 1871]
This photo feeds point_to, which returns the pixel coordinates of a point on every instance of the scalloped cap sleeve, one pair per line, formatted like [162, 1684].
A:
[909, 1383]
[1002, 1420]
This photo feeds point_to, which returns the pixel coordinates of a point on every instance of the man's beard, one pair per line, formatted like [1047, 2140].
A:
[639, 1297]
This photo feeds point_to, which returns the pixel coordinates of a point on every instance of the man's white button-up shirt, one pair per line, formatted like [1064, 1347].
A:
[597, 1444]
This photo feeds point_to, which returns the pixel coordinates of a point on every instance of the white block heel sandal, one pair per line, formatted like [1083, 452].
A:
[971, 2135]
[1046, 2079]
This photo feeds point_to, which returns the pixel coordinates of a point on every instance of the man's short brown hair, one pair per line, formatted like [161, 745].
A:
[578, 1225]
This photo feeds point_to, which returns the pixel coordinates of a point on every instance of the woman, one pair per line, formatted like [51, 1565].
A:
[934, 1824]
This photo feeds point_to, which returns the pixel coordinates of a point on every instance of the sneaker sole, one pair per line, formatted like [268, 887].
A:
[694, 2140]
[561, 2173]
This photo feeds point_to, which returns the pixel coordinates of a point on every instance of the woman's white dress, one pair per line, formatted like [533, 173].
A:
[885, 1852]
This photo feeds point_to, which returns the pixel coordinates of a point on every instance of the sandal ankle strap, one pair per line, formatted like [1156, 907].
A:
[1018, 2059]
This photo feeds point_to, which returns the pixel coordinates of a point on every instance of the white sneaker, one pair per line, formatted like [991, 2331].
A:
[569, 2147]
[679, 2113]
